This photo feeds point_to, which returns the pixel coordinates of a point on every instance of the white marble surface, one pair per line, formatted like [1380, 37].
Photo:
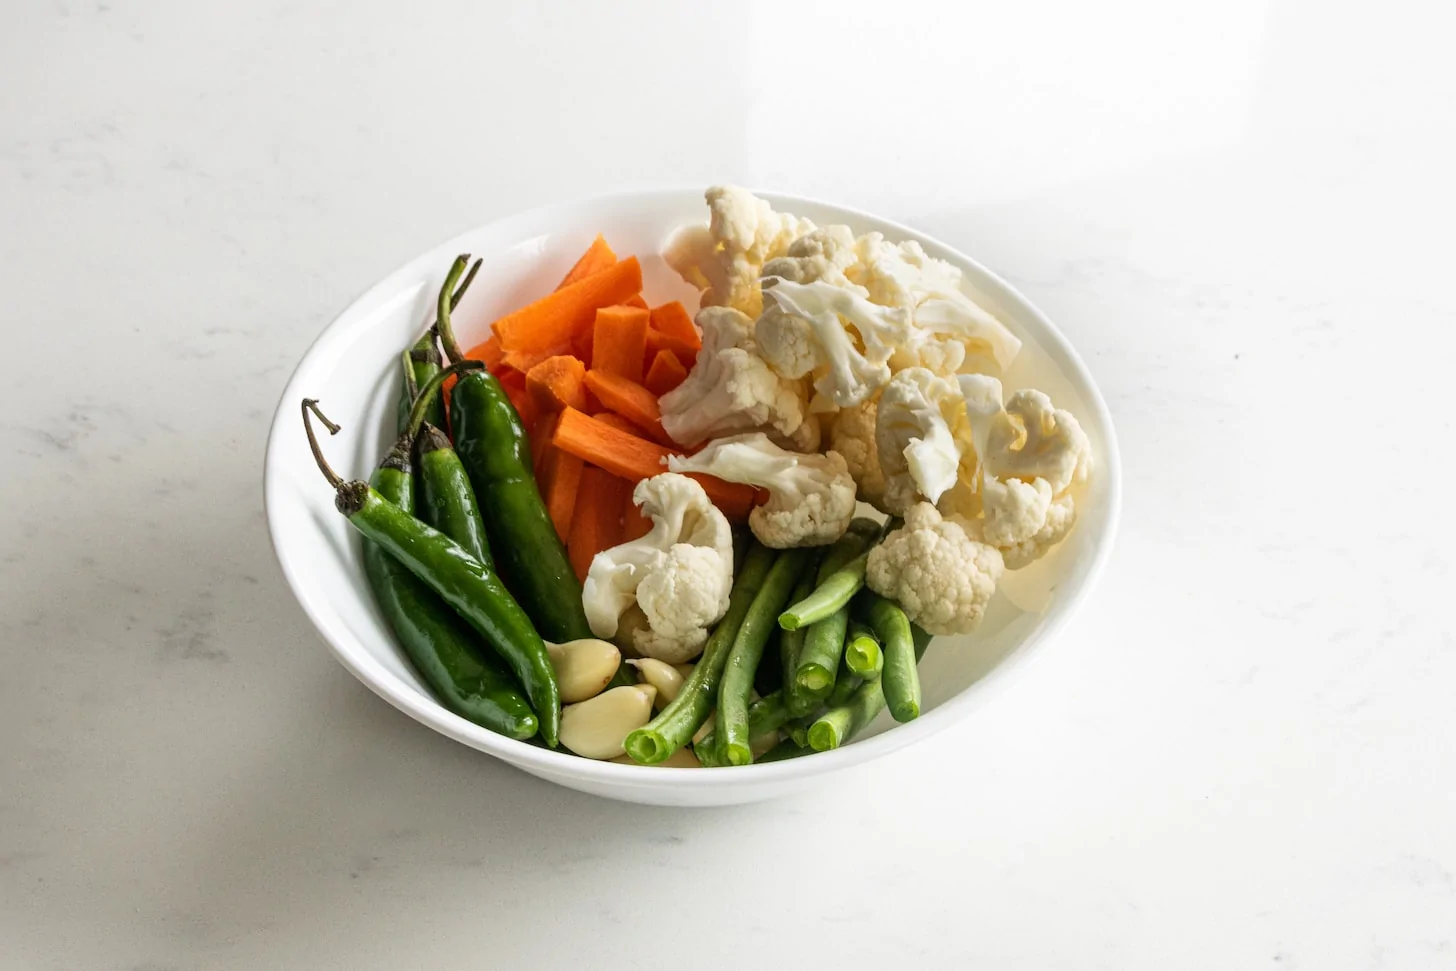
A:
[1242, 756]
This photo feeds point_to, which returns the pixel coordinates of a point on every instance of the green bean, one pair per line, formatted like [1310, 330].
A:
[767, 714]
[862, 653]
[840, 577]
[783, 750]
[675, 725]
[758, 626]
[900, 677]
[791, 642]
[844, 686]
[838, 725]
[818, 662]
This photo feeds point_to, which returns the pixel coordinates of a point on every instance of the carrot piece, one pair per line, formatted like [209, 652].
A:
[685, 352]
[597, 523]
[635, 301]
[619, 341]
[598, 257]
[556, 383]
[673, 320]
[560, 482]
[635, 458]
[666, 373]
[488, 352]
[514, 385]
[543, 328]
[628, 399]
[634, 524]
[541, 434]
[618, 422]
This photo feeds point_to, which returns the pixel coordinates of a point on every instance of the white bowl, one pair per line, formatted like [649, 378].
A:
[353, 369]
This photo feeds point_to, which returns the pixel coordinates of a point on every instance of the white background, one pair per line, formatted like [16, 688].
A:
[1242, 755]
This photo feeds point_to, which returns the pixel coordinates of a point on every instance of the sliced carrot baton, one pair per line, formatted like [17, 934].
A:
[628, 399]
[556, 383]
[598, 257]
[614, 420]
[634, 524]
[561, 483]
[673, 320]
[665, 373]
[685, 351]
[619, 341]
[635, 301]
[547, 326]
[635, 458]
[597, 523]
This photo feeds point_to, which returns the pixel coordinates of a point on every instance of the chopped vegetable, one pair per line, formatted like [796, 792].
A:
[619, 341]
[862, 653]
[636, 458]
[811, 497]
[489, 352]
[597, 523]
[677, 723]
[598, 257]
[557, 383]
[635, 301]
[628, 399]
[665, 373]
[658, 343]
[596, 728]
[673, 320]
[940, 575]
[680, 573]
[584, 667]
[614, 420]
[560, 484]
[546, 327]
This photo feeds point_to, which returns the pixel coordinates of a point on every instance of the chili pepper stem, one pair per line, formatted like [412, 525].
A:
[443, 307]
[407, 358]
[312, 405]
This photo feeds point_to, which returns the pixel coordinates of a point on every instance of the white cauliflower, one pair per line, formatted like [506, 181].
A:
[951, 331]
[811, 497]
[832, 332]
[922, 433]
[679, 574]
[823, 254]
[1028, 455]
[725, 259]
[939, 575]
[731, 388]
[853, 435]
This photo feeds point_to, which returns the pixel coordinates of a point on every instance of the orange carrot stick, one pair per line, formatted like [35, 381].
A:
[634, 524]
[618, 422]
[635, 458]
[556, 383]
[635, 301]
[666, 373]
[619, 341]
[685, 352]
[560, 483]
[628, 399]
[598, 257]
[541, 434]
[673, 320]
[597, 523]
[546, 327]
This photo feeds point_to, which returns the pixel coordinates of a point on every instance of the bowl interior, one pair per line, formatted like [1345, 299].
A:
[353, 370]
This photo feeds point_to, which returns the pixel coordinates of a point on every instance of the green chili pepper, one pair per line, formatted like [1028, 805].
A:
[462, 581]
[449, 502]
[494, 448]
[423, 363]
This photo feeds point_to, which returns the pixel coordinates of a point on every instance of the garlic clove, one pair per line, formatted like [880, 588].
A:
[583, 667]
[596, 728]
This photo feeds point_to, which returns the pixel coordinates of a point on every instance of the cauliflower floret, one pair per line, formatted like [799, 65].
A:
[853, 436]
[1028, 455]
[951, 331]
[731, 388]
[940, 576]
[679, 574]
[921, 434]
[823, 254]
[725, 259]
[811, 497]
[835, 333]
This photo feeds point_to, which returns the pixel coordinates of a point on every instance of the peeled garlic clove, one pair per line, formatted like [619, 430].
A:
[660, 675]
[684, 669]
[683, 758]
[706, 727]
[597, 728]
[583, 667]
[763, 743]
